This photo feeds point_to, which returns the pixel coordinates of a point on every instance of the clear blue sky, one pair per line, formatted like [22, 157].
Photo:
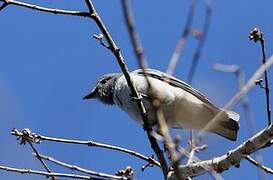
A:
[49, 62]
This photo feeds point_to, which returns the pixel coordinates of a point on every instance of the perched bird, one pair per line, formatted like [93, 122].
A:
[182, 105]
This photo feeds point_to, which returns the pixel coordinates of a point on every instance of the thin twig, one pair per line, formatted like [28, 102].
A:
[40, 159]
[46, 174]
[44, 9]
[259, 165]
[33, 137]
[77, 168]
[257, 35]
[197, 53]
[182, 40]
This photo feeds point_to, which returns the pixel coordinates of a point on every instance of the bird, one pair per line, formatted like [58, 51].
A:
[183, 106]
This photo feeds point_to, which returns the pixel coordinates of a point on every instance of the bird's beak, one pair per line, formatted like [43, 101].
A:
[91, 95]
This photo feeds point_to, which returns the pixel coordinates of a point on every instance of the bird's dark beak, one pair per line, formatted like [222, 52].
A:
[91, 95]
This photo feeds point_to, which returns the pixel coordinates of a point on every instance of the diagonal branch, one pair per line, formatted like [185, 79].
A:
[232, 158]
[179, 47]
[244, 90]
[256, 163]
[135, 40]
[197, 53]
[240, 76]
[77, 168]
[40, 159]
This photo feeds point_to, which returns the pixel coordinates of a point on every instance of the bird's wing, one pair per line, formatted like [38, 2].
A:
[174, 82]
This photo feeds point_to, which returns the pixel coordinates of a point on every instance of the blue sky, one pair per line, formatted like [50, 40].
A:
[49, 62]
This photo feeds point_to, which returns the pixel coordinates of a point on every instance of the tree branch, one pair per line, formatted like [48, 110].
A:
[256, 163]
[136, 43]
[47, 174]
[43, 9]
[77, 168]
[232, 158]
[40, 159]
[182, 40]
[240, 76]
[257, 35]
[244, 90]
[37, 138]
[197, 53]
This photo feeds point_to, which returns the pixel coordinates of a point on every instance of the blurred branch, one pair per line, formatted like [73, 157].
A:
[257, 35]
[136, 43]
[133, 34]
[240, 76]
[182, 40]
[259, 165]
[77, 168]
[37, 138]
[244, 90]
[232, 158]
[197, 53]
[46, 174]
[195, 60]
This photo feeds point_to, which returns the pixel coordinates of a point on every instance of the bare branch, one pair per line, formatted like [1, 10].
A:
[3, 5]
[133, 34]
[37, 138]
[40, 159]
[197, 54]
[43, 9]
[46, 174]
[77, 168]
[256, 163]
[257, 35]
[182, 40]
[232, 158]
[135, 40]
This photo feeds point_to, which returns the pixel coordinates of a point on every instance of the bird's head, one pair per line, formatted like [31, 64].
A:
[104, 89]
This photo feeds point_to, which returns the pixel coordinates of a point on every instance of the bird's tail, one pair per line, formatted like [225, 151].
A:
[228, 126]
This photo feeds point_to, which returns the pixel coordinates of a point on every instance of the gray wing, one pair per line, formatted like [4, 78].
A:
[174, 82]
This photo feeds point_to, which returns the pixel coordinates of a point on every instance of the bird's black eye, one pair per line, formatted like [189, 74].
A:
[103, 81]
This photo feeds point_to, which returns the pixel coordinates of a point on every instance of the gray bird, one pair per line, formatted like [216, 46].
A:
[182, 105]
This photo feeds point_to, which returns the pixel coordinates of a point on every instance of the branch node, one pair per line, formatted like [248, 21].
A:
[100, 38]
[128, 172]
[256, 35]
[25, 136]
[258, 82]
